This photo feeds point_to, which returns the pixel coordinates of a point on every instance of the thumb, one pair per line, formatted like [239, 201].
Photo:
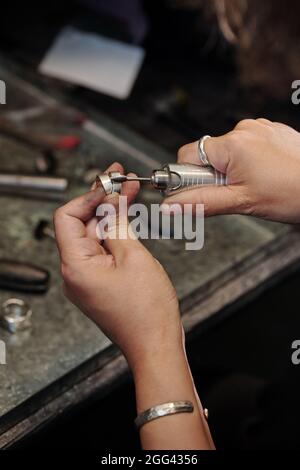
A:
[217, 200]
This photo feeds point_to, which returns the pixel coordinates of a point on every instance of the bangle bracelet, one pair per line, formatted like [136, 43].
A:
[165, 409]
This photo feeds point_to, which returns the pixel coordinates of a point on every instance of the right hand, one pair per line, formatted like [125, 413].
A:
[262, 162]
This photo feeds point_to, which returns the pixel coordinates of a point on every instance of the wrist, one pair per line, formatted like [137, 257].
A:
[154, 341]
[159, 347]
[163, 377]
[157, 358]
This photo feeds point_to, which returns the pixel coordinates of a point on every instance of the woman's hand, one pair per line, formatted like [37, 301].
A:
[126, 292]
[262, 162]
[118, 283]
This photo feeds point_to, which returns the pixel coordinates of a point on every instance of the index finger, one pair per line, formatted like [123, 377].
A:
[70, 219]
[217, 150]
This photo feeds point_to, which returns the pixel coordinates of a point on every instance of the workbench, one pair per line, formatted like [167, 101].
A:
[64, 359]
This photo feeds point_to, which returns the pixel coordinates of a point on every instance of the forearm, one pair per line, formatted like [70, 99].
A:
[164, 377]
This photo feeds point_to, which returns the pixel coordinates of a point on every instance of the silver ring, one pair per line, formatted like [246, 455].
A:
[202, 154]
[107, 184]
[15, 315]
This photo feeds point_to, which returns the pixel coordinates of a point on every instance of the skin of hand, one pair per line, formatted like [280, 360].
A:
[117, 283]
[262, 162]
[126, 292]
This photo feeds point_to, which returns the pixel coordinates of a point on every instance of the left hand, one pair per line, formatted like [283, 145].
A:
[118, 283]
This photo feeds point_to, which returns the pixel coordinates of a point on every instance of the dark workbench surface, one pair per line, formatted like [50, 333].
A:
[63, 347]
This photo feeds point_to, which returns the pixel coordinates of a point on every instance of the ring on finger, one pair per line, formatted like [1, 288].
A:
[201, 150]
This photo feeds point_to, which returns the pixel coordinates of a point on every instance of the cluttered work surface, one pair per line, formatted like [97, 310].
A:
[63, 357]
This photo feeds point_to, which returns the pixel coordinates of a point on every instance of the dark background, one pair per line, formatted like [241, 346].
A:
[243, 371]
[242, 366]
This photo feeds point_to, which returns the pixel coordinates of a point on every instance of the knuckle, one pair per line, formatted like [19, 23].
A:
[182, 152]
[246, 204]
[263, 121]
[57, 214]
[135, 257]
[234, 141]
[207, 208]
[68, 273]
[185, 152]
[246, 124]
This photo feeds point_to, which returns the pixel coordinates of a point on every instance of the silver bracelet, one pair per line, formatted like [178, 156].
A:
[165, 409]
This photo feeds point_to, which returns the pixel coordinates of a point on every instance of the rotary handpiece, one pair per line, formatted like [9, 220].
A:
[171, 178]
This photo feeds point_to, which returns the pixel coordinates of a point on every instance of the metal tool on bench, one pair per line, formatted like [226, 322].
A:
[15, 315]
[19, 181]
[36, 186]
[23, 277]
[171, 178]
[38, 139]
[61, 114]
[43, 230]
